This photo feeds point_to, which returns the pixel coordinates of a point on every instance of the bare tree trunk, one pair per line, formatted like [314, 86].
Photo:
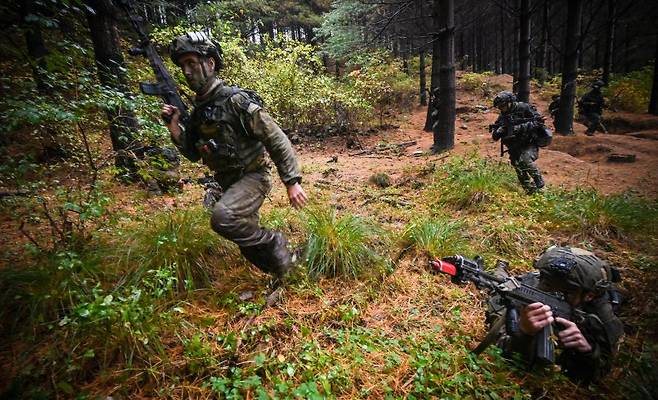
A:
[502, 24]
[434, 84]
[610, 41]
[564, 118]
[36, 48]
[423, 79]
[543, 50]
[111, 71]
[444, 128]
[524, 52]
[653, 103]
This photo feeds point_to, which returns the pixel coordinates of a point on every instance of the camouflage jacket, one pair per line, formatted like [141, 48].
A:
[230, 131]
[592, 101]
[521, 121]
[601, 328]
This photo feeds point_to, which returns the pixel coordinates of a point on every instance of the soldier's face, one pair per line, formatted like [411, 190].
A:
[196, 70]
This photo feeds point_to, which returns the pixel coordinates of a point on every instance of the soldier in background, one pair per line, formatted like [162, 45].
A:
[516, 129]
[229, 131]
[554, 107]
[590, 106]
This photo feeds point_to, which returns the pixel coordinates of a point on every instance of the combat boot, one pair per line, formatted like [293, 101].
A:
[281, 261]
[259, 256]
[539, 181]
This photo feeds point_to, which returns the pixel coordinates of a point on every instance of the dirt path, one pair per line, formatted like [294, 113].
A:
[570, 161]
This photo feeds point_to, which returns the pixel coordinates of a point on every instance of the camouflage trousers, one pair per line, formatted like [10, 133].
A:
[235, 217]
[594, 123]
[523, 160]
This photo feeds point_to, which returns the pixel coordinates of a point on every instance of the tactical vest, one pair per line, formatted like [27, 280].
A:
[221, 138]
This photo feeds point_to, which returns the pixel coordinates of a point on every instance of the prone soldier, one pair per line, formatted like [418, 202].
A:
[586, 282]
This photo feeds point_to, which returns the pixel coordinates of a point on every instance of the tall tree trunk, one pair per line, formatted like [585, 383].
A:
[434, 84]
[503, 59]
[524, 52]
[564, 118]
[610, 41]
[543, 50]
[111, 72]
[444, 128]
[423, 79]
[653, 103]
[36, 48]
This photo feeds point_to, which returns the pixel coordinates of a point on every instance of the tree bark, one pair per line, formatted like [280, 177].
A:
[564, 118]
[444, 128]
[36, 48]
[524, 52]
[653, 103]
[423, 79]
[110, 66]
[502, 24]
[610, 41]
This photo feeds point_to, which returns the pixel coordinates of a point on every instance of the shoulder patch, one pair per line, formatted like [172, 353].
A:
[244, 101]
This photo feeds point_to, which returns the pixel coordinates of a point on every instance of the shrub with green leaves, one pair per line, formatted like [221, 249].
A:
[631, 91]
[477, 83]
[340, 245]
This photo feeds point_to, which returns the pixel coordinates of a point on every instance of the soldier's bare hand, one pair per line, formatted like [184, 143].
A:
[534, 317]
[571, 337]
[169, 111]
[297, 196]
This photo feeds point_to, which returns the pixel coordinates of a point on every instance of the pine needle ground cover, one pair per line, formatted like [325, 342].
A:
[159, 305]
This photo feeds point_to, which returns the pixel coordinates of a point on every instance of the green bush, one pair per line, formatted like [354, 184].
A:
[479, 83]
[630, 92]
[340, 246]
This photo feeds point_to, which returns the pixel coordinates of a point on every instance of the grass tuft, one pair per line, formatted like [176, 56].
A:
[340, 246]
[472, 182]
[600, 215]
[181, 240]
[433, 237]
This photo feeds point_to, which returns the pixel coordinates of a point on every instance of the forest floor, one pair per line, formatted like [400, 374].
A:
[366, 338]
[577, 161]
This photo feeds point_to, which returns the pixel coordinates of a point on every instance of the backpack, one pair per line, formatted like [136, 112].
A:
[543, 136]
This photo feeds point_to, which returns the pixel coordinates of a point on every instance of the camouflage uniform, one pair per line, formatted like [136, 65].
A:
[229, 131]
[590, 106]
[600, 326]
[517, 130]
[554, 107]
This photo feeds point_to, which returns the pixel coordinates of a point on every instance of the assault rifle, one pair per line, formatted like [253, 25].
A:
[512, 294]
[165, 86]
[507, 122]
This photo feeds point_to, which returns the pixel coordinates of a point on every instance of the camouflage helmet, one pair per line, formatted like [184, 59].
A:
[198, 43]
[598, 83]
[504, 97]
[568, 268]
